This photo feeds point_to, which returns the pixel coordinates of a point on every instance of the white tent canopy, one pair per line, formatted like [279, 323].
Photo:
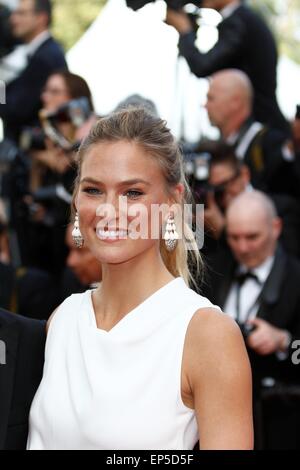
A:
[126, 52]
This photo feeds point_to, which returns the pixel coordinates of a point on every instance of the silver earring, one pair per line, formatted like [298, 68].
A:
[76, 234]
[171, 235]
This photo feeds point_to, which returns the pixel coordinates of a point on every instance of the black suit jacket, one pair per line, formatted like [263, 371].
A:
[269, 169]
[20, 376]
[29, 291]
[245, 43]
[23, 93]
[279, 304]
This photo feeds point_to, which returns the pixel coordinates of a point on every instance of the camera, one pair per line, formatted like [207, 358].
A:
[75, 112]
[174, 4]
[13, 170]
[32, 138]
[246, 329]
[8, 154]
[197, 170]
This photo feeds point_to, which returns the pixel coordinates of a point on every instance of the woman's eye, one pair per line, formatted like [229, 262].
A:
[133, 193]
[92, 191]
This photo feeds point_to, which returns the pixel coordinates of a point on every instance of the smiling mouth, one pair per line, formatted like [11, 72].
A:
[111, 234]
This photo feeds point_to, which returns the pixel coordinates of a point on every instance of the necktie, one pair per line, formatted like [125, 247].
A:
[240, 279]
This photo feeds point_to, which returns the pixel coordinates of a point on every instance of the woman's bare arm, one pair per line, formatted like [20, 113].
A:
[219, 377]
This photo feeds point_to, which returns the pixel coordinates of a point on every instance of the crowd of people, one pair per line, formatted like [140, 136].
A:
[138, 354]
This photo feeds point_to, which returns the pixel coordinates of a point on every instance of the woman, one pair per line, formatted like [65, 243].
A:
[142, 362]
[63, 86]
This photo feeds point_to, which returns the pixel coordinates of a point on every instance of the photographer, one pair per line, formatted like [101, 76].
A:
[61, 87]
[66, 117]
[30, 23]
[228, 178]
[259, 288]
[264, 149]
[244, 42]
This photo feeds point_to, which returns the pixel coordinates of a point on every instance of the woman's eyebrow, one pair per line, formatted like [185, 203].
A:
[122, 183]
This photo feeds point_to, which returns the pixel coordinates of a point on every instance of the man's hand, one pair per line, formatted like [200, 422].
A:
[266, 338]
[214, 220]
[55, 159]
[179, 20]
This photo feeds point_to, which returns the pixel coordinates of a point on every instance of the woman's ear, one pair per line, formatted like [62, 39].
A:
[180, 188]
[75, 202]
[178, 193]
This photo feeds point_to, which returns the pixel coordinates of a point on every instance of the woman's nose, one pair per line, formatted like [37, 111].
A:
[113, 210]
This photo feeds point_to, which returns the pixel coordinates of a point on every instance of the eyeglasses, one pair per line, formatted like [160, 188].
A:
[54, 91]
[23, 12]
[221, 188]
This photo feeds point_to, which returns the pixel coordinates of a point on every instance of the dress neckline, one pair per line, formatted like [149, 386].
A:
[132, 312]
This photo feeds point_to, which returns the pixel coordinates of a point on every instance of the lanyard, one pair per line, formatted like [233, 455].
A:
[237, 304]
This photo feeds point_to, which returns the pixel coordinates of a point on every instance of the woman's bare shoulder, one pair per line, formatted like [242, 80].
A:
[213, 336]
[212, 321]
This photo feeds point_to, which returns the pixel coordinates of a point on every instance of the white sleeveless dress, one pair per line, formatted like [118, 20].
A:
[119, 389]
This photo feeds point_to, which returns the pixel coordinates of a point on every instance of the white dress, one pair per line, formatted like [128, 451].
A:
[119, 389]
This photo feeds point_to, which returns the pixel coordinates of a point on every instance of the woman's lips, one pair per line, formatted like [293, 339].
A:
[111, 235]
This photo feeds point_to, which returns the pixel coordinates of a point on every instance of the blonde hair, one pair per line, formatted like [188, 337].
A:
[136, 124]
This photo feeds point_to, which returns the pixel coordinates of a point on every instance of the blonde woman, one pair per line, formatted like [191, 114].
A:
[141, 362]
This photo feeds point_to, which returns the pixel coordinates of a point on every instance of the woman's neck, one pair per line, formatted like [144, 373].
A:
[124, 286]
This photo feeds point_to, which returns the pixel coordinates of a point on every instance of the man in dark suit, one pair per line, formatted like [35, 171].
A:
[30, 23]
[229, 177]
[266, 151]
[259, 287]
[22, 343]
[29, 290]
[245, 43]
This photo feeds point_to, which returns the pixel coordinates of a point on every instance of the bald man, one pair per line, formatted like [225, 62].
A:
[229, 101]
[260, 290]
[265, 150]
[245, 42]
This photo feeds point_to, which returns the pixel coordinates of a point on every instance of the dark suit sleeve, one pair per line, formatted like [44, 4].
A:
[20, 377]
[222, 55]
[289, 211]
[37, 294]
[23, 94]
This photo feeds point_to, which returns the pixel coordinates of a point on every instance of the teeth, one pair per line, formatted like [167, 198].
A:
[112, 233]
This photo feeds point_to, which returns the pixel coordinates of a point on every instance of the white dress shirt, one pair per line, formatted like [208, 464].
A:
[13, 64]
[249, 292]
[33, 46]
[229, 9]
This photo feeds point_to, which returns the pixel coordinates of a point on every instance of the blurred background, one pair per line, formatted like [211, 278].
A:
[108, 30]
